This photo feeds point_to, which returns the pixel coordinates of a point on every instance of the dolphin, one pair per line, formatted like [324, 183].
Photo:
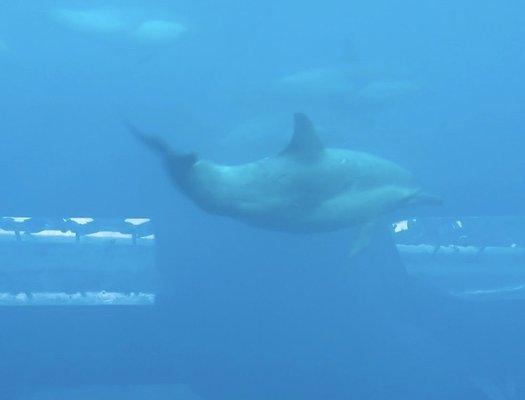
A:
[306, 188]
[126, 21]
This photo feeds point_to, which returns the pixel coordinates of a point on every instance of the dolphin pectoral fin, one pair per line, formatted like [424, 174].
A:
[364, 238]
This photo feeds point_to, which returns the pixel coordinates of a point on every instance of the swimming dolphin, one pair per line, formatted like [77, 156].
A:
[305, 188]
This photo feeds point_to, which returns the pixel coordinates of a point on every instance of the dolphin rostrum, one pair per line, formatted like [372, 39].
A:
[304, 188]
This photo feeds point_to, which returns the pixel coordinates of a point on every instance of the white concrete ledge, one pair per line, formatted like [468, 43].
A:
[76, 299]
[426, 252]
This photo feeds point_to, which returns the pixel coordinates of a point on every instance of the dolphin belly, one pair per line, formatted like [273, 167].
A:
[345, 211]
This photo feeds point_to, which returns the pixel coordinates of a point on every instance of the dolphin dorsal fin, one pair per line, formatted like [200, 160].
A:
[305, 143]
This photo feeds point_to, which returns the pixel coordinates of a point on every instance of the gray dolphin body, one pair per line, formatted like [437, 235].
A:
[305, 188]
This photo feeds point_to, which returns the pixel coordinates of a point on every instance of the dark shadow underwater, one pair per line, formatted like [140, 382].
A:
[329, 328]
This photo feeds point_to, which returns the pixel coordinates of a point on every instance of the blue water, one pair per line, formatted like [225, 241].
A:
[435, 86]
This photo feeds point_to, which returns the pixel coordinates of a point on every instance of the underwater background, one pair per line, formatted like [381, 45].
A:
[435, 86]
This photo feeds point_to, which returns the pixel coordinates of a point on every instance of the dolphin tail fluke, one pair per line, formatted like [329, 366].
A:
[177, 162]
[155, 143]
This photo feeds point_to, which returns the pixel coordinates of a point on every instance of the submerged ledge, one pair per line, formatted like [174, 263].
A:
[101, 298]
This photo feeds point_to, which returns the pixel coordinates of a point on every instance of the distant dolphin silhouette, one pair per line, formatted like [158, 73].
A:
[305, 188]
